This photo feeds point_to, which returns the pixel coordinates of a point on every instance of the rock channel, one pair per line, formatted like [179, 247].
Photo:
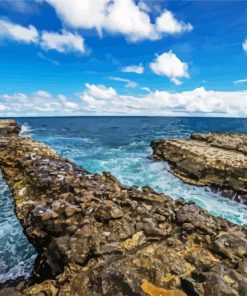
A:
[94, 236]
[218, 160]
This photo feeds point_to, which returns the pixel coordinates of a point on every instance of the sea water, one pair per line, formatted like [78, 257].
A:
[16, 254]
[120, 145]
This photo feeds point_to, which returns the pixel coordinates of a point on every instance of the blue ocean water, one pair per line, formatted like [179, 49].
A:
[16, 254]
[121, 145]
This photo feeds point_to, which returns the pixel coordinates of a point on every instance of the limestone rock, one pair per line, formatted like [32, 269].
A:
[218, 160]
[9, 128]
[94, 236]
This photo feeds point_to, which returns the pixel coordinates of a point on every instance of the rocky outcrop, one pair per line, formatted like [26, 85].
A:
[9, 128]
[94, 236]
[218, 160]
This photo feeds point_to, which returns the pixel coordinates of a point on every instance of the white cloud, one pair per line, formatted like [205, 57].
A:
[86, 14]
[36, 104]
[245, 45]
[65, 42]
[68, 104]
[138, 69]
[100, 91]
[102, 100]
[168, 64]
[18, 33]
[198, 101]
[146, 89]
[43, 94]
[240, 81]
[129, 83]
[124, 17]
[143, 6]
[167, 23]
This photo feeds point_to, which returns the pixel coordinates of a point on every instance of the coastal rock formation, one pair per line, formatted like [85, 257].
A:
[218, 160]
[9, 128]
[94, 236]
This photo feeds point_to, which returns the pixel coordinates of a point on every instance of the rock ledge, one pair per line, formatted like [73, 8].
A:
[94, 236]
[218, 160]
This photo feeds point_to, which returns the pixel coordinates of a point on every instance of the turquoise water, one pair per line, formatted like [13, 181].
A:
[16, 254]
[119, 145]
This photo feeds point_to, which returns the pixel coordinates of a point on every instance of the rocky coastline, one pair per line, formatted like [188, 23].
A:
[217, 160]
[95, 236]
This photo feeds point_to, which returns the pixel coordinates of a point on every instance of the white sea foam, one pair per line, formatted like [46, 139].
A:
[26, 130]
[16, 254]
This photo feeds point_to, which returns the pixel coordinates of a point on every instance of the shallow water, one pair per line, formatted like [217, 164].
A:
[16, 254]
[121, 146]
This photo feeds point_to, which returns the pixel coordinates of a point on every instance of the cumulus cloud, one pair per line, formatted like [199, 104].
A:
[68, 105]
[167, 23]
[102, 100]
[36, 104]
[138, 69]
[245, 45]
[100, 91]
[124, 17]
[197, 101]
[65, 42]
[18, 33]
[62, 42]
[168, 64]
[118, 16]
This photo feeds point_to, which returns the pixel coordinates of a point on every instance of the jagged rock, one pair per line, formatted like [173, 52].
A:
[94, 236]
[218, 160]
[9, 128]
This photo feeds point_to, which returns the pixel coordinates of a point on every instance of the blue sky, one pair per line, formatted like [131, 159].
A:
[118, 57]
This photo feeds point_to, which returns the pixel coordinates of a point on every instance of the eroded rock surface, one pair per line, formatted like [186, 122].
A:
[215, 159]
[97, 237]
[9, 128]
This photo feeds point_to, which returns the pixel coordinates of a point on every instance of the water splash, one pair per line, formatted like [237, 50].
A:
[16, 254]
[26, 130]
[121, 146]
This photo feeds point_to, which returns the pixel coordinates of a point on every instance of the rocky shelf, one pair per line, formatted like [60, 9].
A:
[94, 236]
[218, 160]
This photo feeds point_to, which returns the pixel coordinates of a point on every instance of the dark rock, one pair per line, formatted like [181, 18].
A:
[96, 237]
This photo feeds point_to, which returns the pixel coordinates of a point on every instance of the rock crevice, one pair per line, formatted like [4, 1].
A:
[96, 236]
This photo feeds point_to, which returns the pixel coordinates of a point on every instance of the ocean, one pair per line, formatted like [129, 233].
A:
[119, 145]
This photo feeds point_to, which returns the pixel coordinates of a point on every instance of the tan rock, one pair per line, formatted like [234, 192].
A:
[213, 159]
[97, 237]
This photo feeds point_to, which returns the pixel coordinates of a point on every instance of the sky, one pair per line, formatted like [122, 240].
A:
[123, 57]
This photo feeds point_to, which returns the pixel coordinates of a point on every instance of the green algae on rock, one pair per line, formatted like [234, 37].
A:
[95, 236]
[218, 160]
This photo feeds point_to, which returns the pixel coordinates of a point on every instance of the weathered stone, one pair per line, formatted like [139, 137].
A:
[94, 236]
[218, 160]
[9, 128]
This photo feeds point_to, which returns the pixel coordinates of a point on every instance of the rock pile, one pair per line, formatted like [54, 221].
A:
[218, 160]
[9, 128]
[95, 236]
